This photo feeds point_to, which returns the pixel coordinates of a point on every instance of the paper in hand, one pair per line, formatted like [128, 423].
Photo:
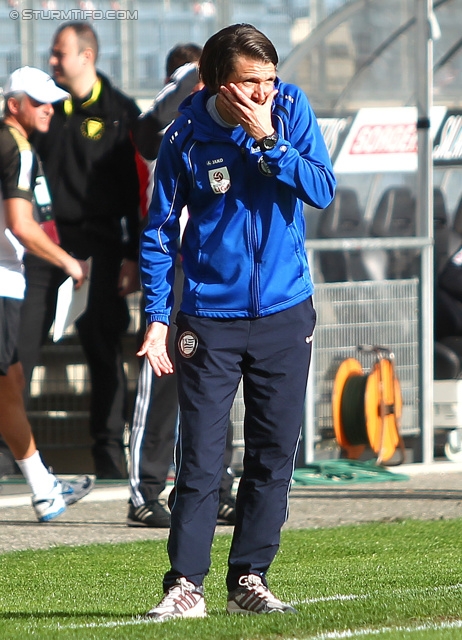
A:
[70, 304]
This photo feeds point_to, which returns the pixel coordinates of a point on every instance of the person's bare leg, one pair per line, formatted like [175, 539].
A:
[14, 425]
[50, 495]
[47, 495]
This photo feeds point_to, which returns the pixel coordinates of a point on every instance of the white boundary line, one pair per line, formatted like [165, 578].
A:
[362, 633]
[105, 494]
[373, 594]
[327, 635]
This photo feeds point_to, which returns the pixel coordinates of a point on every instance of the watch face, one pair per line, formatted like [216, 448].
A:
[269, 142]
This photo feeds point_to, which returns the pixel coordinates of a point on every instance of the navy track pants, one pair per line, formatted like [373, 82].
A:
[272, 355]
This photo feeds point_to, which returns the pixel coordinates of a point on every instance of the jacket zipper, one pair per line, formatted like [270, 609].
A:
[253, 245]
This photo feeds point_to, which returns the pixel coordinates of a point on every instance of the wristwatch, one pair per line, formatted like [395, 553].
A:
[269, 142]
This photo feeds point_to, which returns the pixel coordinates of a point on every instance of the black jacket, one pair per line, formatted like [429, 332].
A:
[89, 161]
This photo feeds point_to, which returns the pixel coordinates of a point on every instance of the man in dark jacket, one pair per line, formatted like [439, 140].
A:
[89, 161]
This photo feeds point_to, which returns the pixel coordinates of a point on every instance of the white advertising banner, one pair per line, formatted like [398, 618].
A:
[384, 140]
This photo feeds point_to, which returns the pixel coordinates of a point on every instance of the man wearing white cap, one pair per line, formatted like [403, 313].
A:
[91, 167]
[29, 94]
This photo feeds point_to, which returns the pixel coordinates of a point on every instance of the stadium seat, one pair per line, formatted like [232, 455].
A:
[343, 218]
[457, 223]
[440, 229]
[447, 364]
[395, 217]
[455, 232]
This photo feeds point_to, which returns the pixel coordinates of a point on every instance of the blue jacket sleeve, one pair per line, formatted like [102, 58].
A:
[300, 159]
[161, 236]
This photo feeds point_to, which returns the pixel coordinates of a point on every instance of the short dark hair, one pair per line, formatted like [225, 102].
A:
[86, 35]
[221, 50]
[180, 55]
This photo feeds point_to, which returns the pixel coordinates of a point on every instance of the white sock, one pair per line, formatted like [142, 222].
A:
[39, 479]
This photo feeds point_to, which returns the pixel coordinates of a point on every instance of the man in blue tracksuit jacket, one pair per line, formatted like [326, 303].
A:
[243, 156]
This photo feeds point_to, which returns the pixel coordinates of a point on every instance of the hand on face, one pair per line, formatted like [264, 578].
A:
[254, 117]
[247, 97]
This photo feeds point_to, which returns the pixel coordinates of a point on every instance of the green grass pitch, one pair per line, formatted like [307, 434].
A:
[395, 580]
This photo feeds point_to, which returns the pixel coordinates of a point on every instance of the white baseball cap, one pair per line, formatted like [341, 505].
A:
[36, 83]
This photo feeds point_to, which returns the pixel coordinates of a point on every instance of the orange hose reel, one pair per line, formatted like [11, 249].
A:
[367, 408]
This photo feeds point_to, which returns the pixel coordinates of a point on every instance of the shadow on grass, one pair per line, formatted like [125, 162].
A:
[64, 615]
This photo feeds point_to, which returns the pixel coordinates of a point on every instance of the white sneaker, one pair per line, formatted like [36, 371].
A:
[50, 505]
[252, 596]
[76, 489]
[183, 600]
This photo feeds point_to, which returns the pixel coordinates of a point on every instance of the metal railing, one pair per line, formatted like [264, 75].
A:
[418, 316]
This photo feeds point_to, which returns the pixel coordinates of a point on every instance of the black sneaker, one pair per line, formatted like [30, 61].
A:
[149, 514]
[227, 511]
[183, 600]
[252, 596]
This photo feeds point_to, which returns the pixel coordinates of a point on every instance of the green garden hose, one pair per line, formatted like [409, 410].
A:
[344, 472]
